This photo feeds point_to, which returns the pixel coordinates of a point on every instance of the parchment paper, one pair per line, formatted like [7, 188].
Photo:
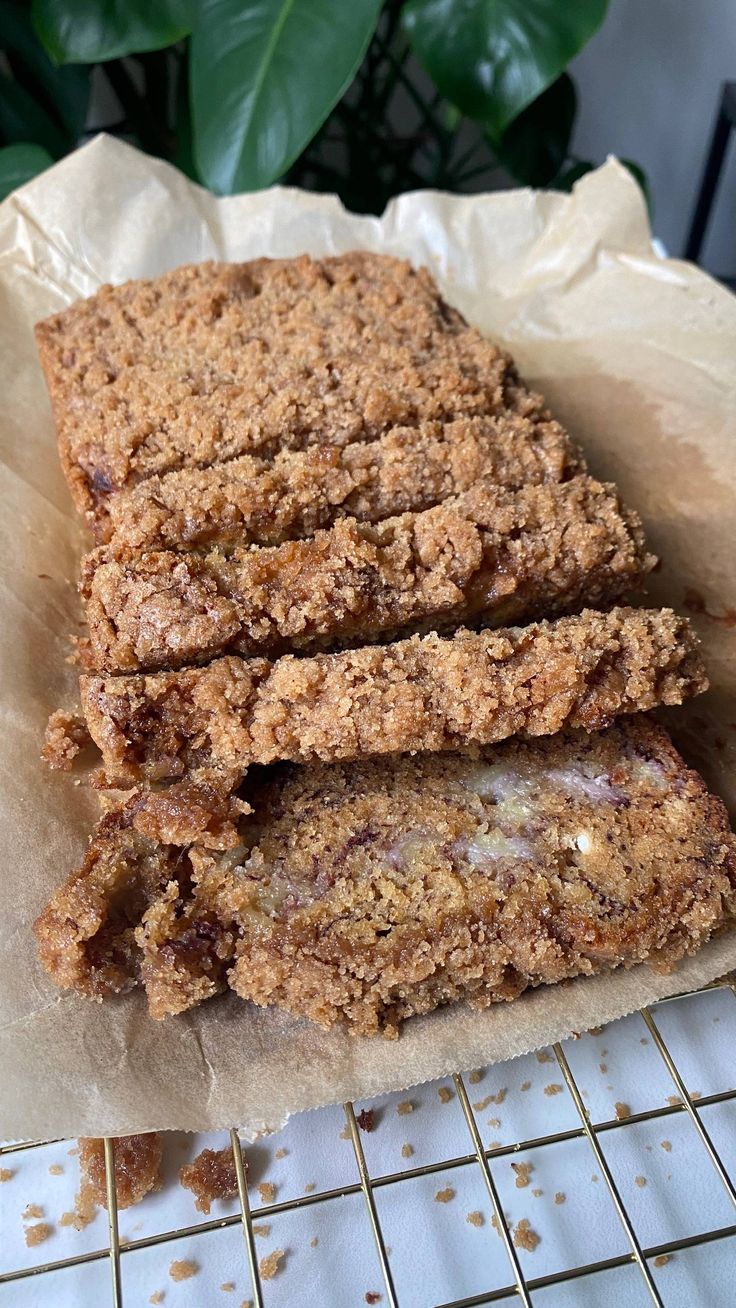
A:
[634, 353]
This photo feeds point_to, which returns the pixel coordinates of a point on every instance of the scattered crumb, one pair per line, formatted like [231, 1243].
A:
[313, 1242]
[674, 1100]
[640, 1181]
[495, 1224]
[595, 1030]
[182, 1269]
[544, 1056]
[648, 1149]
[643, 1041]
[157, 1297]
[267, 1191]
[7, 1173]
[228, 1286]
[524, 1237]
[372, 1296]
[345, 1133]
[269, 1266]
[262, 1228]
[475, 1218]
[499, 1097]
[603, 1067]
[407, 1150]
[495, 1144]
[560, 1197]
[537, 1193]
[444, 1196]
[73, 1152]
[56, 1169]
[247, 1303]
[211, 1175]
[445, 1094]
[406, 1106]
[310, 1187]
[32, 1210]
[474, 1077]
[366, 1119]
[281, 1153]
[526, 1085]
[595, 1177]
[523, 1172]
[667, 1146]
[622, 1110]
[495, 1122]
[661, 1260]
[696, 1094]
[603, 1053]
[554, 1089]
[483, 1103]
[37, 1234]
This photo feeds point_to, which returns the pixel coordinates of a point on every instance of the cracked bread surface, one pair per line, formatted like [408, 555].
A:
[488, 554]
[215, 360]
[372, 891]
[418, 694]
[251, 501]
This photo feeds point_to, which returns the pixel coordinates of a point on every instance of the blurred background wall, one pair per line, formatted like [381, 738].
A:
[649, 84]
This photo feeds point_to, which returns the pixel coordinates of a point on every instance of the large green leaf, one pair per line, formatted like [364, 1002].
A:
[90, 31]
[65, 91]
[534, 147]
[264, 76]
[493, 57]
[19, 163]
[23, 119]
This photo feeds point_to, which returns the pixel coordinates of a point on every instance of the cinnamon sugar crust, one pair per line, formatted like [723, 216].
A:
[250, 501]
[137, 1169]
[486, 554]
[424, 693]
[216, 360]
[370, 891]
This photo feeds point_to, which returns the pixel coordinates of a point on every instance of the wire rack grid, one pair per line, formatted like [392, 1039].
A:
[514, 1285]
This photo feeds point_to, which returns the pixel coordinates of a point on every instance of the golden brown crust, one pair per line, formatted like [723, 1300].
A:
[417, 694]
[487, 554]
[137, 1168]
[250, 501]
[378, 892]
[216, 360]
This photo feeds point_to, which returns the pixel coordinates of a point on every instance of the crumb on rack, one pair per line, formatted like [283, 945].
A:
[211, 1175]
[595, 1030]
[445, 1094]
[482, 1104]
[156, 1297]
[445, 1196]
[7, 1173]
[310, 1187]
[525, 1085]
[345, 1133]
[372, 1296]
[84, 1211]
[666, 1145]
[560, 1197]
[524, 1237]
[314, 1242]
[262, 1228]
[696, 1094]
[537, 1193]
[406, 1106]
[182, 1269]
[32, 1210]
[544, 1056]
[281, 1153]
[595, 1178]
[475, 1077]
[267, 1190]
[674, 1100]
[37, 1234]
[366, 1119]
[662, 1260]
[640, 1181]
[269, 1266]
[475, 1218]
[495, 1144]
[499, 1096]
[603, 1068]
[553, 1089]
[228, 1286]
[523, 1171]
[56, 1169]
[494, 1122]
[407, 1150]
[622, 1110]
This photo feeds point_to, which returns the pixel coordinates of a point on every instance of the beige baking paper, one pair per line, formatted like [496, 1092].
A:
[635, 354]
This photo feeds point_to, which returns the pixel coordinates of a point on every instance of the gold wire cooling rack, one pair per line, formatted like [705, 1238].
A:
[518, 1287]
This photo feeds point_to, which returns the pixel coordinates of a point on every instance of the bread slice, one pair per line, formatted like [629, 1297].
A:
[488, 555]
[418, 694]
[370, 891]
[216, 360]
[251, 501]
